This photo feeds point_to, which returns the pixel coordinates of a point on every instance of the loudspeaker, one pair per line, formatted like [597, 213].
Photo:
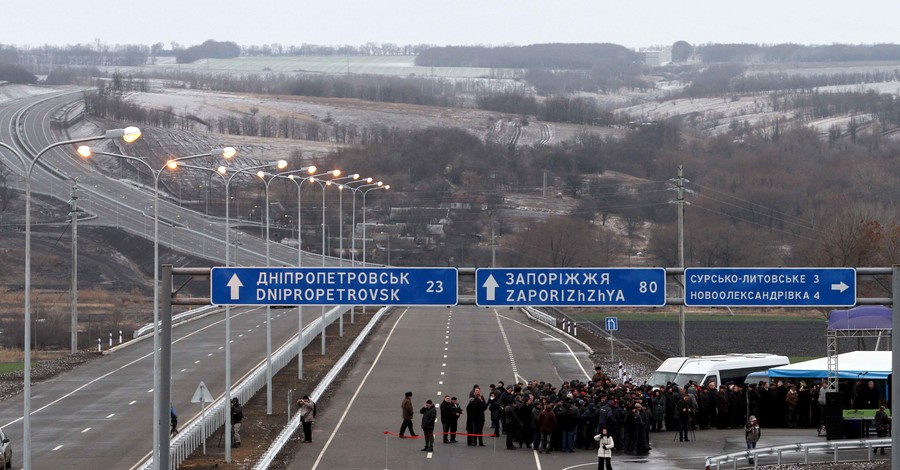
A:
[834, 427]
[834, 404]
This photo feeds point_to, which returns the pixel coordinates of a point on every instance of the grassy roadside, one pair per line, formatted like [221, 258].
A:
[706, 317]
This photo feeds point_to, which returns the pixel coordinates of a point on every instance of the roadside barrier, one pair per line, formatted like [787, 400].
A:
[195, 432]
[766, 453]
[295, 422]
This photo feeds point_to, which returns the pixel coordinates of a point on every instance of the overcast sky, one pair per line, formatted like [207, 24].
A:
[443, 22]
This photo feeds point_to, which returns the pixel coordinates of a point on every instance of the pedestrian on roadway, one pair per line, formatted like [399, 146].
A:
[475, 418]
[752, 433]
[429, 416]
[407, 411]
[173, 420]
[307, 416]
[882, 424]
[237, 415]
[546, 422]
[450, 413]
[511, 423]
[604, 453]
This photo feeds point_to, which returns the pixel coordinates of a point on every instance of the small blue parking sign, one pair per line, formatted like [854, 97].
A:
[612, 323]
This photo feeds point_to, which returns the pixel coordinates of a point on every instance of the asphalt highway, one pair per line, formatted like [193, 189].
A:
[100, 414]
[437, 351]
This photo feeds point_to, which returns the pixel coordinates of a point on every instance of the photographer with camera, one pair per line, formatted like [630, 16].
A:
[604, 453]
[685, 413]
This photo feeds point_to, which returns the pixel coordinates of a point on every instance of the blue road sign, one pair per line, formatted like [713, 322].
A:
[570, 287]
[612, 323]
[333, 286]
[770, 287]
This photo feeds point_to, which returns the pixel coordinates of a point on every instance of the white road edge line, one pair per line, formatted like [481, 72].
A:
[87, 384]
[356, 393]
[580, 366]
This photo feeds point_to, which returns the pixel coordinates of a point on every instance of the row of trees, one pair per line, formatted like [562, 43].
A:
[781, 53]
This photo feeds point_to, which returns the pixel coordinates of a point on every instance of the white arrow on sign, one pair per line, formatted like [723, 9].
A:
[490, 284]
[840, 287]
[235, 284]
[202, 394]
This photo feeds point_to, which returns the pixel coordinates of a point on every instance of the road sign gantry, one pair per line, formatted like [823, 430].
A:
[333, 286]
[770, 287]
[570, 287]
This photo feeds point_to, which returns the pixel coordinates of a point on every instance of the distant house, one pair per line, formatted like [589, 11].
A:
[657, 57]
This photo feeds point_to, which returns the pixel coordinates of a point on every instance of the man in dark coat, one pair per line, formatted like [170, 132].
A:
[429, 416]
[448, 416]
[475, 419]
[407, 412]
[546, 423]
[511, 424]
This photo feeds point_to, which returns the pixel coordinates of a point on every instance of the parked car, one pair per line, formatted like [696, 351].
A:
[5, 450]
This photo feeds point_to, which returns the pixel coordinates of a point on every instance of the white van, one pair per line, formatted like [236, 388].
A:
[725, 368]
[667, 371]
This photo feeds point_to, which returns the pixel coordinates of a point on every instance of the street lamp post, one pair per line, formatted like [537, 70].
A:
[269, 372]
[299, 183]
[129, 134]
[279, 164]
[378, 185]
[366, 182]
[323, 184]
[162, 357]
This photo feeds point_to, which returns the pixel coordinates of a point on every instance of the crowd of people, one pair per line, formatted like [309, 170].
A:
[549, 418]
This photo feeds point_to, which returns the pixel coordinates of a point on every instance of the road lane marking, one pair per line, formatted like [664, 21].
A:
[124, 366]
[57, 448]
[572, 353]
[132, 402]
[512, 360]
[110, 416]
[197, 362]
[356, 393]
[85, 430]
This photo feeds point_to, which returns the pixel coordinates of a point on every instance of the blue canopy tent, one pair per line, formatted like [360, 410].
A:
[870, 365]
[865, 317]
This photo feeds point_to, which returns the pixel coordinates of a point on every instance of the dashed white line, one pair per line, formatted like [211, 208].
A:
[150, 391]
[130, 403]
[57, 448]
[196, 362]
[110, 416]
[85, 430]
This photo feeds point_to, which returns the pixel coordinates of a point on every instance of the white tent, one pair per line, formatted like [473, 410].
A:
[852, 365]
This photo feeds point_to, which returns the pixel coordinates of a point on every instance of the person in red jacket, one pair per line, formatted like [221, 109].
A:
[546, 423]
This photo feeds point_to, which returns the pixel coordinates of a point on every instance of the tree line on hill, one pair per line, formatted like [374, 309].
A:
[783, 53]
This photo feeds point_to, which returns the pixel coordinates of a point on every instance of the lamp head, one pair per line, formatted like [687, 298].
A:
[336, 173]
[222, 170]
[311, 170]
[380, 183]
[369, 180]
[128, 134]
[172, 164]
[261, 174]
[227, 152]
[84, 151]
[387, 187]
[281, 164]
[356, 176]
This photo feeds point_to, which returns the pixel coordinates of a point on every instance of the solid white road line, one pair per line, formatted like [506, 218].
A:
[356, 393]
[572, 353]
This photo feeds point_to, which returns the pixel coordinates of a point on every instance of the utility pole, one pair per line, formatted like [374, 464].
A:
[682, 348]
[74, 214]
[493, 248]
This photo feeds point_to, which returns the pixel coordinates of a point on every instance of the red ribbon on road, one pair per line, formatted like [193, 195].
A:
[442, 434]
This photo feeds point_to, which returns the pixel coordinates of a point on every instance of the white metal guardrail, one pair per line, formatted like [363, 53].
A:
[777, 453]
[194, 432]
[541, 316]
[177, 318]
[295, 423]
